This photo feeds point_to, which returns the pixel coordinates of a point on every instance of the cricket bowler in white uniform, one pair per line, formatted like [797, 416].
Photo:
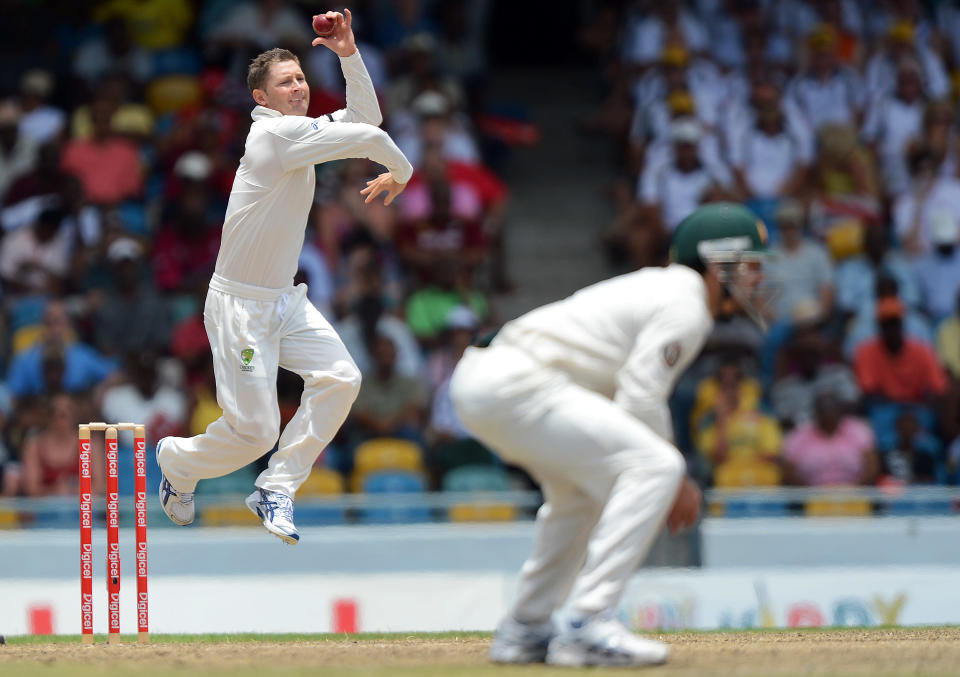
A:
[576, 393]
[255, 318]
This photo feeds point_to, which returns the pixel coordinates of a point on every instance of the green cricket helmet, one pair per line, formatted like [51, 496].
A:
[719, 232]
[733, 240]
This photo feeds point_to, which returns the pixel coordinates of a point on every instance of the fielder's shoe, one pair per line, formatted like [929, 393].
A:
[516, 642]
[603, 640]
[177, 504]
[276, 511]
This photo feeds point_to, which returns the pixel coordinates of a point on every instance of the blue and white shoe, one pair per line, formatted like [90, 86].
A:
[516, 642]
[601, 639]
[276, 511]
[177, 504]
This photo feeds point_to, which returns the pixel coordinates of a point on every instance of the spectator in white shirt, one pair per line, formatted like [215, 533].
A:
[856, 277]
[769, 158]
[938, 273]
[677, 71]
[827, 92]
[18, 153]
[802, 267]
[901, 43]
[646, 36]
[676, 186]
[929, 195]
[893, 122]
[40, 121]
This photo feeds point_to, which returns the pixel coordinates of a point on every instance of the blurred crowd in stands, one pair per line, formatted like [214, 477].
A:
[122, 122]
[836, 122]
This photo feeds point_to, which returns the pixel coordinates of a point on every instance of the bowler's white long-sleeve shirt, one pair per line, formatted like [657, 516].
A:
[628, 338]
[273, 190]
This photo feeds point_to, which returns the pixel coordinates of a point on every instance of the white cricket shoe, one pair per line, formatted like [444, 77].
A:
[276, 511]
[516, 642]
[601, 639]
[177, 504]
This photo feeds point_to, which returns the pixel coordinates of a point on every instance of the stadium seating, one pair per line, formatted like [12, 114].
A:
[827, 507]
[478, 478]
[385, 453]
[323, 483]
[393, 482]
[463, 452]
[738, 473]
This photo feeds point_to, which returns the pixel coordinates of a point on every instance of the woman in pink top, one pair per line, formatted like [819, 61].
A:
[833, 449]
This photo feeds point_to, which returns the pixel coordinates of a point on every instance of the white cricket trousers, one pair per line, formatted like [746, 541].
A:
[608, 480]
[252, 331]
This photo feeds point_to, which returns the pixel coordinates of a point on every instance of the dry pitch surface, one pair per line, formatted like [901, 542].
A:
[831, 653]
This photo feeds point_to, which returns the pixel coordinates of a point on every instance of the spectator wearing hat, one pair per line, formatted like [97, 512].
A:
[864, 326]
[826, 91]
[81, 366]
[896, 368]
[677, 71]
[108, 166]
[672, 189]
[901, 43]
[832, 449]
[39, 121]
[802, 266]
[422, 73]
[893, 122]
[844, 186]
[647, 36]
[938, 272]
[18, 152]
[931, 197]
[433, 120]
[459, 332]
[132, 317]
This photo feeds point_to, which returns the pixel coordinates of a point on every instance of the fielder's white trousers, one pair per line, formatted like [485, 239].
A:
[252, 331]
[608, 480]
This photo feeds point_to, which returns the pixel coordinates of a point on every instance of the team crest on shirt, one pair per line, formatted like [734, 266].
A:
[246, 357]
[671, 353]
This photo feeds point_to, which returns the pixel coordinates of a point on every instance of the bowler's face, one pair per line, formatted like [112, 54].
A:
[286, 89]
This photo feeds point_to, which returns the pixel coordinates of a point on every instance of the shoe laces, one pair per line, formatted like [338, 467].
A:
[280, 504]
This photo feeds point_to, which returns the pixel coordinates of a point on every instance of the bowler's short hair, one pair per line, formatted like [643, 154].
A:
[260, 66]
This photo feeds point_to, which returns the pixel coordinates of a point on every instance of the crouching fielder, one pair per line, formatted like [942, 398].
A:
[576, 393]
[255, 317]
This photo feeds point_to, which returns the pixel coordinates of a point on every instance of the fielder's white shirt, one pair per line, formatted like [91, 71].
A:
[627, 338]
[273, 190]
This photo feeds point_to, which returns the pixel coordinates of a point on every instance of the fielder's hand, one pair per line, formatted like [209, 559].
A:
[384, 182]
[341, 40]
[686, 507]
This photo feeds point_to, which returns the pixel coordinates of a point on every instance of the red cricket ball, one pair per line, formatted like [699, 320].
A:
[322, 26]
